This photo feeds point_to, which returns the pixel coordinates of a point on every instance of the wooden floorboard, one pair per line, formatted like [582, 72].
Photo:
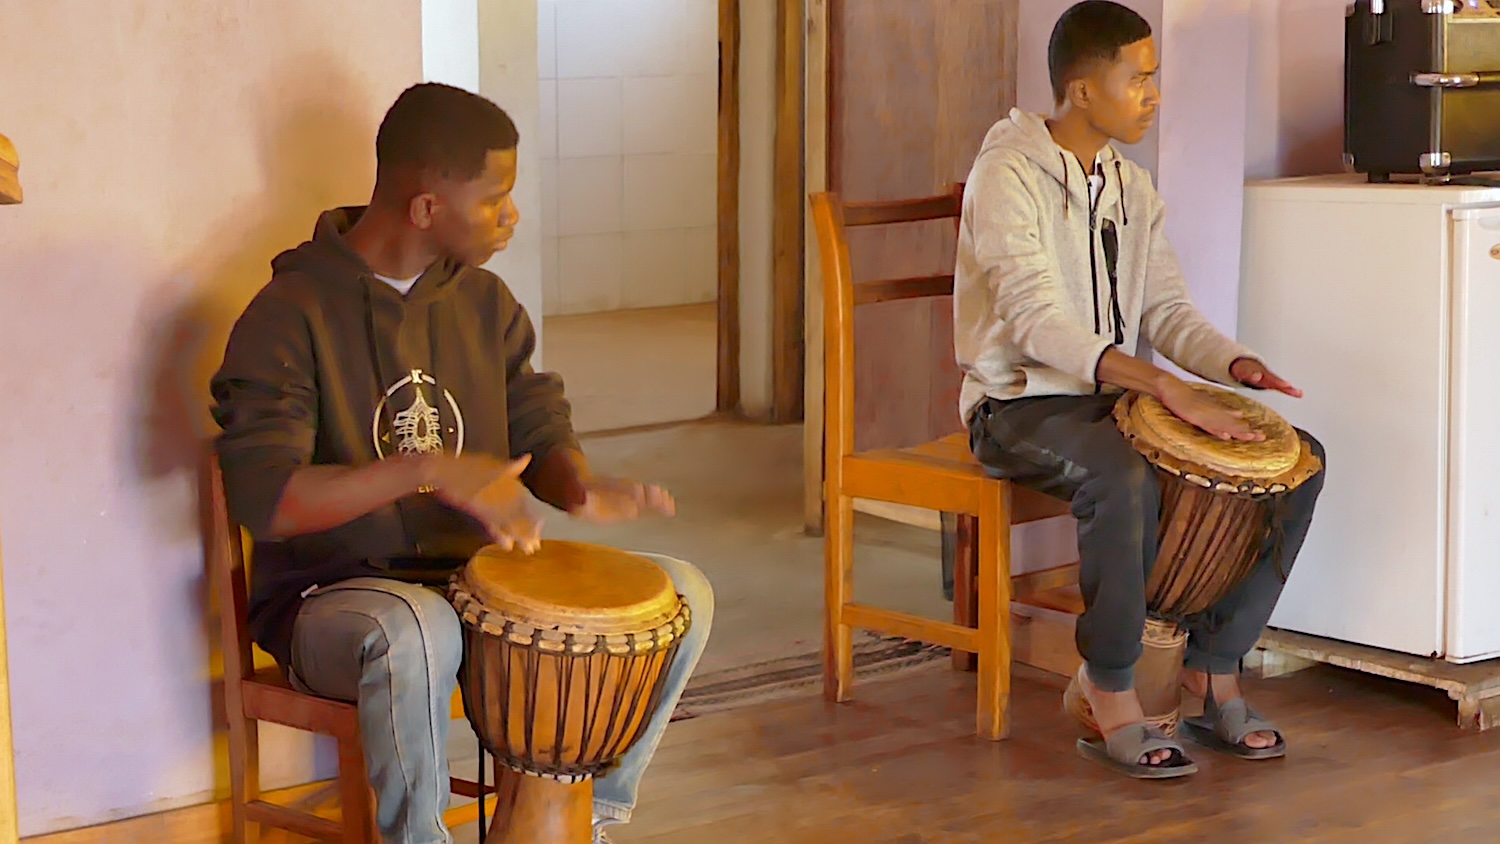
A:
[1372, 760]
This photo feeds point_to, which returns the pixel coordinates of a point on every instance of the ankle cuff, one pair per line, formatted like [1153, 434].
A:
[1111, 679]
[1209, 664]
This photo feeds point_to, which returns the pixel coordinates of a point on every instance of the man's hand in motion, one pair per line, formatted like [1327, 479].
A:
[491, 491]
[609, 501]
[564, 480]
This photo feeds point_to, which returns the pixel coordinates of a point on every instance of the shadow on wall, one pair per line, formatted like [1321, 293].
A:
[310, 163]
[315, 153]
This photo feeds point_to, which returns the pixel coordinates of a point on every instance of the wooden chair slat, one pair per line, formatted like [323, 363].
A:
[902, 211]
[897, 289]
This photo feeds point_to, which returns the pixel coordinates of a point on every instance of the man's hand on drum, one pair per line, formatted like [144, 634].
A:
[1195, 408]
[1254, 374]
[491, 491]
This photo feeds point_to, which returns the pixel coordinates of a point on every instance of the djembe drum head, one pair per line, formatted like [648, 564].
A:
[573, 588]
[565, 653]
[1182, 448]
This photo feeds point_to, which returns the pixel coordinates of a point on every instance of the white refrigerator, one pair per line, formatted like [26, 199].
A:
[1382, 302]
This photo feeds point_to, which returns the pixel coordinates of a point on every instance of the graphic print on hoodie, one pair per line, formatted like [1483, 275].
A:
[1045, 281]
[331, 365]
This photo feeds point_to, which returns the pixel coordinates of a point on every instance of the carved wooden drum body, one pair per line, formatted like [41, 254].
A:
[1220, 507]
[565, 655]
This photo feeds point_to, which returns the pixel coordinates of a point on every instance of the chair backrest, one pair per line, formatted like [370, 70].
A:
[831, 218]
[224, 549]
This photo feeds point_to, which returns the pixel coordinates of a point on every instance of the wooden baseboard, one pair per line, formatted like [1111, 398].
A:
[208, 823]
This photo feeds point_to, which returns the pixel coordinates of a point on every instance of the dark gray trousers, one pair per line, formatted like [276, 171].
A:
[1069, 447]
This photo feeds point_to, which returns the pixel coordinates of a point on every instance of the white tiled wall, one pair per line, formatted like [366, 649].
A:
[629, 153]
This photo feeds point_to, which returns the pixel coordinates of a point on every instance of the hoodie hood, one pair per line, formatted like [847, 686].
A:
[1025, 134]
[329, 258]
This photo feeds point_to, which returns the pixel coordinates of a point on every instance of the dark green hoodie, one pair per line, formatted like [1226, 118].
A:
[330, 365]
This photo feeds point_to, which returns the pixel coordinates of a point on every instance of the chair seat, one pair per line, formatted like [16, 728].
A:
[269, 697]
[270, 684]
[941, 474]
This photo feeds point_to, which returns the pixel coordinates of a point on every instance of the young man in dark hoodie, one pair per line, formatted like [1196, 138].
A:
[1063, 265]
[382, 422]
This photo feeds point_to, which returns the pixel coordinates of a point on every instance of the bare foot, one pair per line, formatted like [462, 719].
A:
[1226, 688]
[1113, 710]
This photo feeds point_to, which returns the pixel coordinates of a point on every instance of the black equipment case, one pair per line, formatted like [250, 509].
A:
[1422, 88]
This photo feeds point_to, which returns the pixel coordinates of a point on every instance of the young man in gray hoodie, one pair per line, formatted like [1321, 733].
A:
[1063, 266]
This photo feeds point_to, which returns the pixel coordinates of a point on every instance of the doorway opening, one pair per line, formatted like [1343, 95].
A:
[631, 209]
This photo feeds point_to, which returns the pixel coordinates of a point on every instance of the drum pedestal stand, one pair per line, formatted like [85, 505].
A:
[538, 810]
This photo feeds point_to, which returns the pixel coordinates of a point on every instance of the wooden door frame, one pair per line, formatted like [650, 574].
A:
[816, 166]
[789, 217]
[728, 301]
[789, 221]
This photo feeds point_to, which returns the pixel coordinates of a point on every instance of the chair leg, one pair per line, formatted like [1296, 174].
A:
[244, 775]
[948, 529]
[965, 596]
[838, 588]
[994, 612]
[356, 798]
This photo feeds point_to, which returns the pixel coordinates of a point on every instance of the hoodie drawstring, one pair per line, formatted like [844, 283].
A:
[1120, 185]
[1111, 244]
[1067, 188]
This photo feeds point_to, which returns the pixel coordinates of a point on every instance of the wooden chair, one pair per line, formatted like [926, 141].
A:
[941, 475]
[255, 694]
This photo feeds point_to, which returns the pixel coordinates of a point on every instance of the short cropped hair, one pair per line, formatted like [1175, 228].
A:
[1090, 32]
[442, 130]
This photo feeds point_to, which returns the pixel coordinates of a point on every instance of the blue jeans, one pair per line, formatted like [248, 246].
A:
[394, 649]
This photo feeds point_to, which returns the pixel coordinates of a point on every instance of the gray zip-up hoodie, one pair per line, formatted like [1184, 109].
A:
[1043, 284]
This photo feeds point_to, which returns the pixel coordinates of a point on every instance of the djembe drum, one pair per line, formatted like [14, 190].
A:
[565, 655]
[1219, 511]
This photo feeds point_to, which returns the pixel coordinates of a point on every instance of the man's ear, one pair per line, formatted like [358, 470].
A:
[1080, 93]
[422, 209]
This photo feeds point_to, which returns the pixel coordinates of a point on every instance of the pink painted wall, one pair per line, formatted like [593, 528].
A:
[169, 150]
[1297, 88]
[1205, 53]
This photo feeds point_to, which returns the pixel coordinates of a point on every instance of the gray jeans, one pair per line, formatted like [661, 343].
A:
[1069, 447]
[394, 649]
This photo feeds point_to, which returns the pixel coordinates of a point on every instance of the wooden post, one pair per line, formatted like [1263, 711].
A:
[10, 170]
[815, 173]
[10, 832]
[787, 227]
[728, 377]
